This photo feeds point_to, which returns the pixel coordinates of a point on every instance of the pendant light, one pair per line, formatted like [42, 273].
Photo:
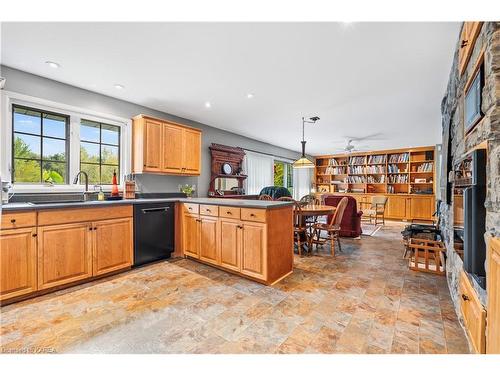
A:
[304, 162]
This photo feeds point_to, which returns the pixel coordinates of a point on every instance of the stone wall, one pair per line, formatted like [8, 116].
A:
[487, 130]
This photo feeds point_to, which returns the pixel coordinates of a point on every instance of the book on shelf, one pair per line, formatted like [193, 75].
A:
[398, 179]
[356, 179]
[425, 167]
[376, 180]
[335, 170]
[375, 169]
[355, 160]
[394, 168]
[377, 159]
[357, 169]
[399, 158]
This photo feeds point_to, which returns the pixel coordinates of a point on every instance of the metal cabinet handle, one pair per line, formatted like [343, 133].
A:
[240, 226]
[229, 212]
[465, 297]
[252, 215]
[464, 43]
[12, 221]
[209, 210]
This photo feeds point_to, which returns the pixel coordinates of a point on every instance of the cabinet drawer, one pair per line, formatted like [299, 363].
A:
[18, 220]
[209, 210]
[78, 215]
[473, 314]
[191, 208]
[253, 214]
[229, 212]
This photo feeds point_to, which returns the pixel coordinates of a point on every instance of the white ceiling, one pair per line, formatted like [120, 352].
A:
[360, 78]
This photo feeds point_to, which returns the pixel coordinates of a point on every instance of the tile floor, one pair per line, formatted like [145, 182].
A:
[364, 300]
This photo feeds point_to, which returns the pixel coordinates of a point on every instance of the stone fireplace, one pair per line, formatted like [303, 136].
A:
[486, 132]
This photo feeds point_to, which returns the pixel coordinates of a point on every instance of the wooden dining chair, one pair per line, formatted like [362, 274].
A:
[332, 228]
[299, 228]
[265, 197]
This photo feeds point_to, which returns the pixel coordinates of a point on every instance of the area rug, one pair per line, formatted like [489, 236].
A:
[370, 229]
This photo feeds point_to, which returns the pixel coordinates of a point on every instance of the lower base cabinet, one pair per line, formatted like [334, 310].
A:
[493, 305]
[17, 262]
[473, 314]
[253, 245]
[64, 254]
[209, 239]
[113, 246]
[230, 245]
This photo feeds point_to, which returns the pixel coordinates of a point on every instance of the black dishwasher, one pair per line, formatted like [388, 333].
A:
[153, 232]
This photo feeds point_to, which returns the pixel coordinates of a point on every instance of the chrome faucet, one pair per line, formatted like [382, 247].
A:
[86, 193]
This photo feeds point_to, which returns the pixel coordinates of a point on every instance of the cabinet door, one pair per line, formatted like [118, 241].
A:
[230, 244]
[493, 308]
[473, 314]
[191, 235]
[253, 250]
[396, 207]
[17, 262]
[192, 151]
[209, 239]
[152, 146]
[112, 245]
[64, 254]
[421, 208]
[172, 148]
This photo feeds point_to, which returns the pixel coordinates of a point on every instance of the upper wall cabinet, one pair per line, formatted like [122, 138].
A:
[164, 147]
[468, 36]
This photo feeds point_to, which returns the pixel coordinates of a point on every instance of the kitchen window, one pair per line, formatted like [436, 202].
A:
[44, 144]
[99, 151]
[39, 146]
[283, 175]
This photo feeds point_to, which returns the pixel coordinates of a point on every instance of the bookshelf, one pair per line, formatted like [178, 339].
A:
[398, 171]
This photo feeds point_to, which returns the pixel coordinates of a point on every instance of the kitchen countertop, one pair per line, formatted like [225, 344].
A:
[245, 203]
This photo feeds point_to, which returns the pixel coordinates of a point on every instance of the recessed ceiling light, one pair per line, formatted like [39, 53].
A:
[250, 95]
[52, 64]
[208, 105]
[118, 86]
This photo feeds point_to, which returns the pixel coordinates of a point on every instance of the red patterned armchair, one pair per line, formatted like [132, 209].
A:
[351, 222]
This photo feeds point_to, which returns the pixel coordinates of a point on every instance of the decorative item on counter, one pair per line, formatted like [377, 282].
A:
[100, 194]
[114, 188]
[129, 187]
[187, 189]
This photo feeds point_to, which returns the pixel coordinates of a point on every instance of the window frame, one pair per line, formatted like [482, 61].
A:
[100, 144]
[41, 136]
[75, 114]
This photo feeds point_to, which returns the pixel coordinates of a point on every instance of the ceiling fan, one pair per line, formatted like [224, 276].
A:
[350, 147]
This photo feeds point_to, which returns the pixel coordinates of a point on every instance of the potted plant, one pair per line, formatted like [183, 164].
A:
[187, 189]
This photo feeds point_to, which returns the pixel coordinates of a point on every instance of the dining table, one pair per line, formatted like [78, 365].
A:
[313, 211]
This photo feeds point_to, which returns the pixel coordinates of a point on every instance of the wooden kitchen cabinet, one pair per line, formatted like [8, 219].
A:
[164, 147]
[172, 139]
[17, 262]
[397, 207]
[112, 245]
[253, 250]
[421, 207]
[473, 314]
[209, 239]
[191, 151]
[191, 235]
[64, 254]
[493, 304]
[152, 146]
[230, 244]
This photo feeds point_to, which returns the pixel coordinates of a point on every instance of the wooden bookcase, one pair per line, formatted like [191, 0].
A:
[397, 173]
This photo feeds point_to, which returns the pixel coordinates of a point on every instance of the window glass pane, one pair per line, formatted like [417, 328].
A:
[54, 126]
[54, 172]
[54, 149]
[26, 146]
[93, 172]
[26, 121]
[279, 174]
[107, 174]
[89, 131]
[110, 134]
[109, 154]
[26, 170]
[89, 152]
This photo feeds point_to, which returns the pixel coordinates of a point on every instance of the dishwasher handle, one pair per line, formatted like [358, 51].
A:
[158, 209]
